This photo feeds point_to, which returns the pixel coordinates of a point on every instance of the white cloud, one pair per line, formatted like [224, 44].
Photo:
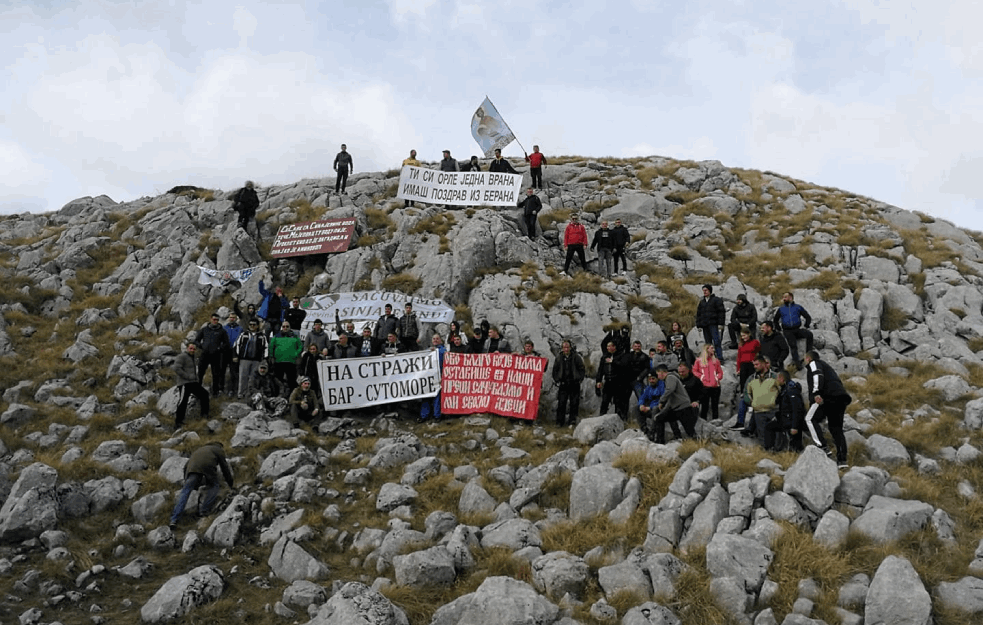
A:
[244, 23]
[403, 10]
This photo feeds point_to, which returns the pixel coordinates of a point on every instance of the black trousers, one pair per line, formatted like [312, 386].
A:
[733, 328]
[685, 416]
[536, 173]
[530, 220]
[833, 410]
[218, 372]
[341, 180]
[792, 336]
[619, 395]
[568, 396]
[619, 252]
[578, 249]
[187, 390]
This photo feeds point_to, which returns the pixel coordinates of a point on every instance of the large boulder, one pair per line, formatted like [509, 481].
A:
[897, 595]
[498, 601]
[179, 595]
[357, 603]
[289, 561]
[813, 480]
[596, 489]
[32, 504]
[742, 558]
[885, 519]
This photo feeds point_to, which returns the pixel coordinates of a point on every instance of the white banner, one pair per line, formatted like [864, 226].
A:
[217, 277]
[489, 129]
[360, 382]
[365, 307]
[459, 188]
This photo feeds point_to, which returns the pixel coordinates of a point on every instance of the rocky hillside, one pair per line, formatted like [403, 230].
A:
[372, 516]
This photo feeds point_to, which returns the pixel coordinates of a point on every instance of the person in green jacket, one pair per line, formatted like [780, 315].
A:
[202, 470]
[285, 349]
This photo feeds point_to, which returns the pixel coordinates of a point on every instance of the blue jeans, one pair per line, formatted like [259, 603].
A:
[711, 334]
[192, 482]
[430, 408]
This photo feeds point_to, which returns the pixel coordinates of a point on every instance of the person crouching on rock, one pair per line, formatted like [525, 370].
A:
[202, 470]
[304, 406]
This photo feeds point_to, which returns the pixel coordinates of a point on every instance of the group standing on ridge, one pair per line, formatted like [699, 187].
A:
[671, 384]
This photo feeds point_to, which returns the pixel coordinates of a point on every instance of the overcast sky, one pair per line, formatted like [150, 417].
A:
[125, 99]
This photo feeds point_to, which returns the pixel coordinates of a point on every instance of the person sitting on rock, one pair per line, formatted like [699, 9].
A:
[304, 404]
[648, 402]
[202, 470]
[264, 392]
[794, 321]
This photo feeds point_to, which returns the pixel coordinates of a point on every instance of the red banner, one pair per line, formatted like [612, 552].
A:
[502, 384]
[313, 237]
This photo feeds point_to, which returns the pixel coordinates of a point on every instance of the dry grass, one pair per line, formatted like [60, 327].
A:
[404, 282]
[549, 292]
[377, 219]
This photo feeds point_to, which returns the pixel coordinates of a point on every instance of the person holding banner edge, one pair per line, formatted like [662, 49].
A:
[431, 405]
[500, 165]
[413, 162]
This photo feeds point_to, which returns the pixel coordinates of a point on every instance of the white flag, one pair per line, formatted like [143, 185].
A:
[489, 129]
[217, 277]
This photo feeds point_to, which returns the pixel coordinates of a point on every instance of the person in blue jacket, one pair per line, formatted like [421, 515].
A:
[431, 405]
[648, 403]
[271, 310]
[794, 321]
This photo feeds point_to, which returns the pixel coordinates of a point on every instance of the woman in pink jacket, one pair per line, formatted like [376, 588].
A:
[707, 368]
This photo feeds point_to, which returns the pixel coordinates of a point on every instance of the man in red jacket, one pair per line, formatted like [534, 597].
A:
[574, 240]
[536, 162]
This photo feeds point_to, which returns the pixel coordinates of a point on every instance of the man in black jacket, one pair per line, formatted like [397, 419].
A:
[711, 317]
[344, 165]
[614, 381]
[408, 330]
[387, 323]
[743, 314]
[604, 243]
[244, 203]
[501, 165]
[568, 373]
[621, 240]
[366, 345]
[826, 390]
[214, 343]
[791, 411]
[530, 205]
[295, 315]
[773, 345]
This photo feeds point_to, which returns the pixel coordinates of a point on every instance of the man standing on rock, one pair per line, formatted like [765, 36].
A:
[202, 470]
[285, 350]
[229, 360]
[711, 317]
[762, 395]
[614, 381]
[621, 240]
[500, 165]
[214, 343]
[827, 392]
[574, 240]
[794, 321]
[244, 203]
[743, 314]
[344, 165]
[530, 205]
[295, 315]
[413, 162]
[604, 243]
[536, 162]
[387, 323]
[568, 373]
[187, 381]
[408, 330]
[250, 349]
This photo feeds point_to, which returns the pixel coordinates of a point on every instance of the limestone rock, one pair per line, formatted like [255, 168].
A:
[498, 601]
[181, 594]
[885, 518]
[289, 561]
[596, 490]
[813, 480]
[897, 595]
[357, 603]
[31, 506]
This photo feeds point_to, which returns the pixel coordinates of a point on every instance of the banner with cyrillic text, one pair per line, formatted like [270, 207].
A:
[370, 305]
[325, 236]
[504, 384]
[459, 188]
[360, 382]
